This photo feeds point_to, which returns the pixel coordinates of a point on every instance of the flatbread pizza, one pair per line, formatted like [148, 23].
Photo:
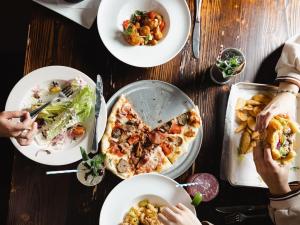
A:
[131, 147]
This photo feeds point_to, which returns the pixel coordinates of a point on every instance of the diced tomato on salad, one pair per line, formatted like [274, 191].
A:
[77, 131]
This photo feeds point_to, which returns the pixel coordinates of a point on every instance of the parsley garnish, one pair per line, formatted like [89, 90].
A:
[230, 64]
[136, 14]
[148, 38]
[128, 31]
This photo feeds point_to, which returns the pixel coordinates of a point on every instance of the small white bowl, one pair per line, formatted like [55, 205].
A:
[112, 13]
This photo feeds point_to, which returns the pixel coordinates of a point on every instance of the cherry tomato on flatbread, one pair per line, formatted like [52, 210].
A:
[114, 149]
[118, 124]
[129, 116]
[133, 139]
[175, 129]
[119, 153]
[167, 149]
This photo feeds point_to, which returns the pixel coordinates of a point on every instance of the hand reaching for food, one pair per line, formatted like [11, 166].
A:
[12, 128]
[178, 215]
[283, 103]
[22, 131]
[275, 175]
[26, 136]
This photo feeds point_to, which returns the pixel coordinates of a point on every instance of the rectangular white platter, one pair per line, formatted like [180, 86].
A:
[240, 170]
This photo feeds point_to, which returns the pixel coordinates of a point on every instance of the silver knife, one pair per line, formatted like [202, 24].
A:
[99, 94]
[240, 208]
[197, 30]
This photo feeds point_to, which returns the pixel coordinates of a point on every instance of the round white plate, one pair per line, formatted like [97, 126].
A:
[112, 13]
[19, 97]
[158, 189]
[157, 102]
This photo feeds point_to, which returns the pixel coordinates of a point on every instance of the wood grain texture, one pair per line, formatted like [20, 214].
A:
[258, 28]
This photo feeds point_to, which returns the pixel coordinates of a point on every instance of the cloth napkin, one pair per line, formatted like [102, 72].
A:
[83, 13]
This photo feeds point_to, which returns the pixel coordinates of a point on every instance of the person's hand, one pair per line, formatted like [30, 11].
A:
[178, 215]
[273, 174]
[22, 131]
[283, 103]
[26, 137]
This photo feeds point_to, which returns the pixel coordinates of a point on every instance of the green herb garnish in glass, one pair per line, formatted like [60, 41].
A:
[94, 166]
[230, 64]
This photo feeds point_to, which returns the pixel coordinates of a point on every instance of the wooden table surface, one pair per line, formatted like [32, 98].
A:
[258, 28]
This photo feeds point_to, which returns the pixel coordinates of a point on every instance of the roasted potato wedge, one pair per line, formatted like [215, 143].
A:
[256, 110]
[245, 142]
[262, 98]
[251, 122]
[240, 103]
[242, 116]
[248, 108]
[241, 127]
[253, 102]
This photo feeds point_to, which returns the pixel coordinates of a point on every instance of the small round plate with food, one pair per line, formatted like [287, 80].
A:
[144, 33]
[152, 127]
[65, 124]
[129, 197]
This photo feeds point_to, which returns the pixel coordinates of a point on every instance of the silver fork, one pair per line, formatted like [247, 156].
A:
[240, 217]
[64, 93]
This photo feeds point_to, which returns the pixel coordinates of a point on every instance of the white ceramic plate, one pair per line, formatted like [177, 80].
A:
[19, 97]
[157, 102]
[112, 13]
[158, 189]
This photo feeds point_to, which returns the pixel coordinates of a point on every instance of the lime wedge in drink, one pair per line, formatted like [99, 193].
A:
[197, 199]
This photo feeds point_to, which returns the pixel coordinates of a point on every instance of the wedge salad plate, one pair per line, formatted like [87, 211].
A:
[20, 98]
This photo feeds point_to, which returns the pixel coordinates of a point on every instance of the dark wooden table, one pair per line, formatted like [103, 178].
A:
[259, 28]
